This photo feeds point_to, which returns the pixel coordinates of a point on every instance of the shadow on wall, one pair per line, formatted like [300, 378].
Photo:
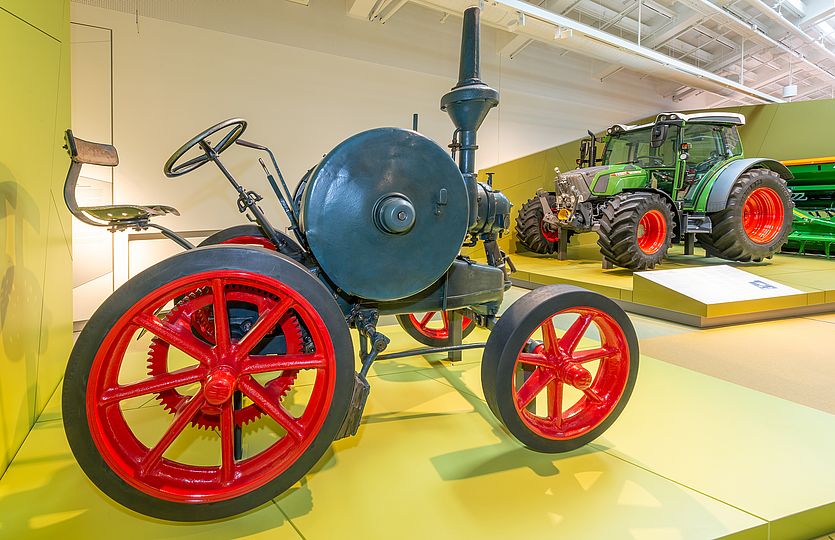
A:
[20, 303]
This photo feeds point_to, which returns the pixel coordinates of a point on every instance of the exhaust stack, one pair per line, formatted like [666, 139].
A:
[468, 103]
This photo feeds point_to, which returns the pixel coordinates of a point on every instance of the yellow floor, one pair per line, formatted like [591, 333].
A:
[691, 457]
[814, 276]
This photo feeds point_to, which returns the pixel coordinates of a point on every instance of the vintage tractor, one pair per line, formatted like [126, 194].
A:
[682, 177]
[813, 193]
[248, 337]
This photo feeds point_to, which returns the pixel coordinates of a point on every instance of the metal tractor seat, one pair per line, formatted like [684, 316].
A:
[116, 217]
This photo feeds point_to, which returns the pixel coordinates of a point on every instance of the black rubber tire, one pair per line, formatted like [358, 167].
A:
[406, 324]
[191, 262]
[528, 226]
[288, 246]
[728, 239]
[509, 336]
[618, 231]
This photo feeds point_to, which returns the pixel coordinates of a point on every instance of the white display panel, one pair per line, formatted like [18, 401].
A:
[718, 284]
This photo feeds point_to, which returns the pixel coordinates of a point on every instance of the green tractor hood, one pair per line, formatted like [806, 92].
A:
[605, 180]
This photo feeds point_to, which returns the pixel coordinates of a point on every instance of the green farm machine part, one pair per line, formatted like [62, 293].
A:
[813, 193]
[680, 178]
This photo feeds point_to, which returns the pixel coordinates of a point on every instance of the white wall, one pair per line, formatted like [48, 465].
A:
[306, 78]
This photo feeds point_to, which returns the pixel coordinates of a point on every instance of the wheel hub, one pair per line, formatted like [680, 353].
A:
[220, 384]
[577, 376]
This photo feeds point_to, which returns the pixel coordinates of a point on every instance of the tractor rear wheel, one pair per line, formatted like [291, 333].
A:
[756, 221]
[530, 230]
[636, 230]
[160, 464]
[557, 390]
[430, 330]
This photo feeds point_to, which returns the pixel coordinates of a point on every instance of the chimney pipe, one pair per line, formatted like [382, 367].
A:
[467, 105]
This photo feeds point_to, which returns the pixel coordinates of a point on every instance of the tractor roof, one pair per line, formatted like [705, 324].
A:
[717, 117]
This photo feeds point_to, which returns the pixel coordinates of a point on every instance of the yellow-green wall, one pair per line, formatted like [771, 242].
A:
[35, 228]
[780, 131]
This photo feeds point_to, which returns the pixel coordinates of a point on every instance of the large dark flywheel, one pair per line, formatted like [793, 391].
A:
[385, 213]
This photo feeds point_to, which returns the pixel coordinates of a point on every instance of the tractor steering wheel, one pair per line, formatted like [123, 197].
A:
[658, 160]
[171, 169]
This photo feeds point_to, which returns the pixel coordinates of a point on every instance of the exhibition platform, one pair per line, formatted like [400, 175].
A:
[692, 456]
[784, 286]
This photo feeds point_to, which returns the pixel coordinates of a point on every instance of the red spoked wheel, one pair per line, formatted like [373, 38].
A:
[266, 332]
[652, 232]
[556, 390]
[762, 215]
[432, 328]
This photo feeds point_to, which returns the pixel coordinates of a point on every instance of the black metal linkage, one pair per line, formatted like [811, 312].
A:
[430, 350]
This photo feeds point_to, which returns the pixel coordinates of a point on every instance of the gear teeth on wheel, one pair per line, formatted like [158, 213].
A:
[172, 400]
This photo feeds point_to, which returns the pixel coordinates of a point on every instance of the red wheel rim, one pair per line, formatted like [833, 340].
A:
[762, 215]
[251, 241]
[428, 325]
[220, 370]
[652, 232]
[598, 375]
[551, 236]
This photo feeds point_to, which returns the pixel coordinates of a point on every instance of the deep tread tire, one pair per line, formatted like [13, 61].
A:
[618, 231]
[728, 239]
[528, 226]
[408, 325]
[196, 261]
[510, 334]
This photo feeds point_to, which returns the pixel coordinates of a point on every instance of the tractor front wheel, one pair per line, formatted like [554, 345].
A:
[531, 231]
[559, 367]
[756, 221]
[636, 230]
[237, 335]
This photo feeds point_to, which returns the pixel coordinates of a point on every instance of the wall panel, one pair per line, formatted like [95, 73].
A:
[35, 302]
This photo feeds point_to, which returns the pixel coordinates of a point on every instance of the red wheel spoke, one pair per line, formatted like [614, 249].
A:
[445, 318]
[593, 397]
[426, 318]
[533, 386]
[265, 323]
[575, 333]
[534, 359]
[181, 420]
[555, 388]
[581, 357]
[258, 394]
[549, 335]
[227, 443]
[222, 336]
[268, 363]
[154, 384]
[176, 336]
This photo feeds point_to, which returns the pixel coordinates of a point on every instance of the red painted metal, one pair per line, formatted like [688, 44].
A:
[762, 215]
[600, 374]
[220, 368]
[551, 236]
[422, 324]
[195, 311]
[652, 232]
[251, 241]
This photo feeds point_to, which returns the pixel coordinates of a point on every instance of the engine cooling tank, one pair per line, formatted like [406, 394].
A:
[385, 213]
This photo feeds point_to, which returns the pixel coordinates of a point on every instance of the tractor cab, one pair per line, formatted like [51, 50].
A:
[675, 152]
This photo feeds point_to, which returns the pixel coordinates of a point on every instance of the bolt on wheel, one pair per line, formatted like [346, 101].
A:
[559, 367]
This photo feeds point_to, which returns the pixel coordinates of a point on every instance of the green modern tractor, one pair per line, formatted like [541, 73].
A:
[680, 178]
